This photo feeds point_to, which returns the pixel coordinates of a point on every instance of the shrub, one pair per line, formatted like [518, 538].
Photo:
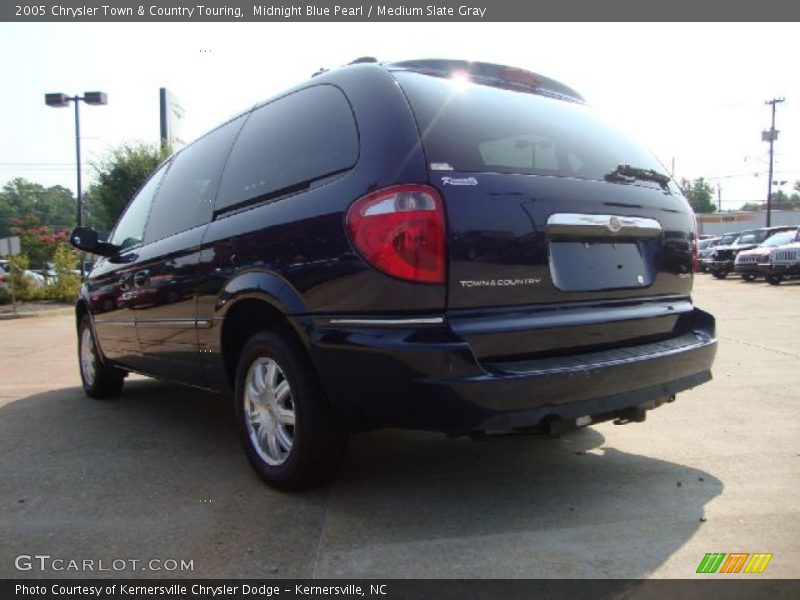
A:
[67, 283]
[23, 286]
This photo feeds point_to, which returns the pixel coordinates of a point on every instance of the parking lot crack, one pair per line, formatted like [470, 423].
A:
[760, 347]
[318, 549]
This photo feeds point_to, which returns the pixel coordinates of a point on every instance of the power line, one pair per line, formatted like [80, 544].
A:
[22, 164]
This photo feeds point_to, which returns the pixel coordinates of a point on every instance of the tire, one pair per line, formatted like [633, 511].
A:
[291, 435]
[748, 277]
[719, 274]
[99, 379]
[774, 279]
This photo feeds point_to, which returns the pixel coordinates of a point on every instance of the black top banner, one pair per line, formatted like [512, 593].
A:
[405, 10]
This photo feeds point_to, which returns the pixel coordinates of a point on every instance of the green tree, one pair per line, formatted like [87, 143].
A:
[54, 207]
[781, 201]
[752, 206]
[700, 195]
[117, 177]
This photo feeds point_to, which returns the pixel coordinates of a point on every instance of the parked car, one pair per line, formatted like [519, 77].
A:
[37, 279]
[705, 256]
[439, 245]
[749, 263]
[783, 262]
[705, 247]
[723, 257]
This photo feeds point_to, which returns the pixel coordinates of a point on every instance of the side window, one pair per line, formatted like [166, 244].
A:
[291, 141]
[186, 196]
[130, 228]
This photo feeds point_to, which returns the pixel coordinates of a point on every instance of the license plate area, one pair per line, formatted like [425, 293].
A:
[594, 266]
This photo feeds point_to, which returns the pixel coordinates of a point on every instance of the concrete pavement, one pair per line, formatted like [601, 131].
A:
[159, 474]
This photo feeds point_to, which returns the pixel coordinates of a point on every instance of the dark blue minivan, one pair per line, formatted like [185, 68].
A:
[441, 245]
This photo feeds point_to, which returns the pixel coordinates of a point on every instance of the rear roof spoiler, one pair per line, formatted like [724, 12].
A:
[492, 74]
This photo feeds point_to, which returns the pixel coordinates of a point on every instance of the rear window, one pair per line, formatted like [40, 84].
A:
[480, 128]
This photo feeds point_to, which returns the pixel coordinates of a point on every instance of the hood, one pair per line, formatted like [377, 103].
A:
[759, 251]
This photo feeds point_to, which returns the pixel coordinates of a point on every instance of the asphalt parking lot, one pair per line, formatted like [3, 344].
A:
[159, 474]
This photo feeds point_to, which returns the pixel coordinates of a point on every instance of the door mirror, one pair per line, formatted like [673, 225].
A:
[85, 238]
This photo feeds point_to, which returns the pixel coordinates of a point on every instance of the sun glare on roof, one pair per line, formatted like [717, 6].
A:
[460, 80]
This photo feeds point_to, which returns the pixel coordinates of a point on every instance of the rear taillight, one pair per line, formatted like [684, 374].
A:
[695, 245]
[400, 231]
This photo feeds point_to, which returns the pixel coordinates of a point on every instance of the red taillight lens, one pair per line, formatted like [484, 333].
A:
[400, 231]
[695, 246]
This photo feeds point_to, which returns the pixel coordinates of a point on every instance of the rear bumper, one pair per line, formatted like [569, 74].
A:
[428, 377]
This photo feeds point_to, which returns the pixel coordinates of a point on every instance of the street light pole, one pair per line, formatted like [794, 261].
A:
[771, 137]
[79, 217]
[60, 100]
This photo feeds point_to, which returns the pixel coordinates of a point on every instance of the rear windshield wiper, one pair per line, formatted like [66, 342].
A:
[629, 174]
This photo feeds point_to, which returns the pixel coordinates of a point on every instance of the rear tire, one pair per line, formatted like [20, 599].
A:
[774, 279]
[748, 277]
[100, 380]
[720, 274]
[291, 435]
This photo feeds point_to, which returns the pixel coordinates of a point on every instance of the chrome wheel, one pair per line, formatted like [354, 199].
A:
[269, 411]
[87, 357]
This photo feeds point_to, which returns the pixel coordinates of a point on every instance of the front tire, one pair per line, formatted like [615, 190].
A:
[99, 380]
[291, 435]
[748, 277]
[774, 279]
[719, 274]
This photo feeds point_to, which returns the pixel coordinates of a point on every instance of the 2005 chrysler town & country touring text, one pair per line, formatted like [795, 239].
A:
[440, 245]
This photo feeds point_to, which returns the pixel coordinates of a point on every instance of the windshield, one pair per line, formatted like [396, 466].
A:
[710, 243]
[728, 239]
[473, 127]
[779, 239]
[749, 238]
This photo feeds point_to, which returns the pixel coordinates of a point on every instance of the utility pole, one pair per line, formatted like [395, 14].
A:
[771, 136]
[719, 197]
